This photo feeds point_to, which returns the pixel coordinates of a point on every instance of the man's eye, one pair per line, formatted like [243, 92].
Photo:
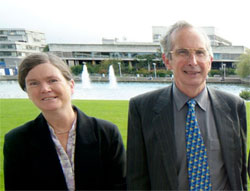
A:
[200, 52]
[182, 52]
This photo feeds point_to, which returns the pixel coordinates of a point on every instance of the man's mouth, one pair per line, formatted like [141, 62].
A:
[192, 72]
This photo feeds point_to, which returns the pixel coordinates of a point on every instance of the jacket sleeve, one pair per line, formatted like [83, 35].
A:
[13, 164]
[243, 130]
[137, 168]
[114, 158]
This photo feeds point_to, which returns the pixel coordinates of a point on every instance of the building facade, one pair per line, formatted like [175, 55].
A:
[125, 52]
[15, 44]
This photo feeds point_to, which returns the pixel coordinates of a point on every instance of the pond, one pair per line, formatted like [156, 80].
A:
[103, 91]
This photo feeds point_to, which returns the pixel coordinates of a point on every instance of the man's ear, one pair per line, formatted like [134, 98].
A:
[211, 60]
[166, 61]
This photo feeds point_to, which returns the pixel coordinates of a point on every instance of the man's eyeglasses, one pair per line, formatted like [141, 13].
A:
[185, 53]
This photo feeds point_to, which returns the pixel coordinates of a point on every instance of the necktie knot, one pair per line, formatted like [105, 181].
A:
[191, 103]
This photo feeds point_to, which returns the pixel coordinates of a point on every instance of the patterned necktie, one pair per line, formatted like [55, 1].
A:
[198, 169]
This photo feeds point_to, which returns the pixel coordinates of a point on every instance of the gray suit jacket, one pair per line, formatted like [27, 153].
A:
[151, 152]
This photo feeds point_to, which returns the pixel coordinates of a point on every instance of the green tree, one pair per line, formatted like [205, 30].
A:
[243, 66]
[46, 48]
[145, 61]
[76, 70]
[104, 66]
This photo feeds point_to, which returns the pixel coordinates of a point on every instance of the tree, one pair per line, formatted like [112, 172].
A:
[243, 66]
[76, 70]
[46, 48]
[145, 61]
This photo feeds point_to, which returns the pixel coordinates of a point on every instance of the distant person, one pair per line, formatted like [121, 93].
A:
[187, 136]
[63, 148]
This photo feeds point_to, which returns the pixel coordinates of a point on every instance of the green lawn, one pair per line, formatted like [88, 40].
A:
[14, 112]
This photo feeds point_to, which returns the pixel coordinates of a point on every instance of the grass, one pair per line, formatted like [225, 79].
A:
[14, 112]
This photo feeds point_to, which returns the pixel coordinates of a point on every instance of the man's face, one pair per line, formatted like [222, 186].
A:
[190, 61]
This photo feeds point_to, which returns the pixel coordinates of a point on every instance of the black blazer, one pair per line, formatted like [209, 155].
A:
[31, 161]
[151, 147]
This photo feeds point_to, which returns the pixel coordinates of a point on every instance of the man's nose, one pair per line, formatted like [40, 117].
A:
[192, 60]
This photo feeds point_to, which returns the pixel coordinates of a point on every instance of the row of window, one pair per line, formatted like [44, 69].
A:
[19, 47]
[218, 56]
[7, 46]
[105, 54]
[12, 54]
[12, 32]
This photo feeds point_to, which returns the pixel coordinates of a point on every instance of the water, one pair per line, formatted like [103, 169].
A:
[85, 77]
[112, 78]
[102, 91]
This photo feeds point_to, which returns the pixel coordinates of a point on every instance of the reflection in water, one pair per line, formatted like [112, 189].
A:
[102, 91]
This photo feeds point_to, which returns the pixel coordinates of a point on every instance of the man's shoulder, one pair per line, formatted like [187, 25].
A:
[223, 94]
[224, 97]
[152, 95]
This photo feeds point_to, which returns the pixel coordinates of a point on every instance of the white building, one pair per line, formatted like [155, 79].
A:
[15, 44]
[127, 52]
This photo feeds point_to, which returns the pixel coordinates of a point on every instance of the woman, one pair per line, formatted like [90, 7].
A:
[63, 148]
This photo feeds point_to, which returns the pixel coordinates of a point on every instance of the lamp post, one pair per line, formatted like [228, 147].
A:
[154, 64]
[224, 71]
[119, 64]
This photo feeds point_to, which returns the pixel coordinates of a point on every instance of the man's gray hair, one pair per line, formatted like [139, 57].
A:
[166, 42]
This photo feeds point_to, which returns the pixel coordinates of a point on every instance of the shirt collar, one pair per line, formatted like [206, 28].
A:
[181, 99]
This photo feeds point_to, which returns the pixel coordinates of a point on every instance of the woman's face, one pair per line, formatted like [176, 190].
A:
[48, 89]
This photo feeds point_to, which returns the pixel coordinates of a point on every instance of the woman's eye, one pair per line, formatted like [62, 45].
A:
[53, 80]
[33, 83]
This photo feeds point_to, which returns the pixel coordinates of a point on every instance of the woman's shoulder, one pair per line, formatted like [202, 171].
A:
[100, 127]
[24, 130]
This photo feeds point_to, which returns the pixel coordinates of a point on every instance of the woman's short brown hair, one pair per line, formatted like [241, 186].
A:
[35, 59]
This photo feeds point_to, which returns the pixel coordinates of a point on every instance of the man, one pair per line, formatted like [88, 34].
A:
[159, 128]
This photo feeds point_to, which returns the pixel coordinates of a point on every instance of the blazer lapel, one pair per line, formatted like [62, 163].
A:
[164, 129]
[87, 156]
[45, 162]
[225, 133]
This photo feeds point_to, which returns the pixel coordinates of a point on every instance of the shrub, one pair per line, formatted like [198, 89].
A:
[76, 70]
[214, 72]
[245, 94]
[231, 71]
[164, 73]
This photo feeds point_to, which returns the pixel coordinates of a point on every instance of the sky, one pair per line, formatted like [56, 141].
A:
[88, 21]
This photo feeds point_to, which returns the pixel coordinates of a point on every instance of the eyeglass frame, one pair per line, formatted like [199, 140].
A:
[191, 51]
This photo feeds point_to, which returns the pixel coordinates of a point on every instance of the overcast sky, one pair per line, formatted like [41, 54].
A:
[88, 21]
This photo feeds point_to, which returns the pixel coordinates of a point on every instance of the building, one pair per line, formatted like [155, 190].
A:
[126, 52]
[15, 44]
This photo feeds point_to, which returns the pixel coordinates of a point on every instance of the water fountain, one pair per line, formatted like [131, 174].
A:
[112, 78]
[85, 77]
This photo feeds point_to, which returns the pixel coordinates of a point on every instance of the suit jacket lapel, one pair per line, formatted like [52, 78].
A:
[164, 129]
[87, 156]
[225, 133]
[44, 157]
